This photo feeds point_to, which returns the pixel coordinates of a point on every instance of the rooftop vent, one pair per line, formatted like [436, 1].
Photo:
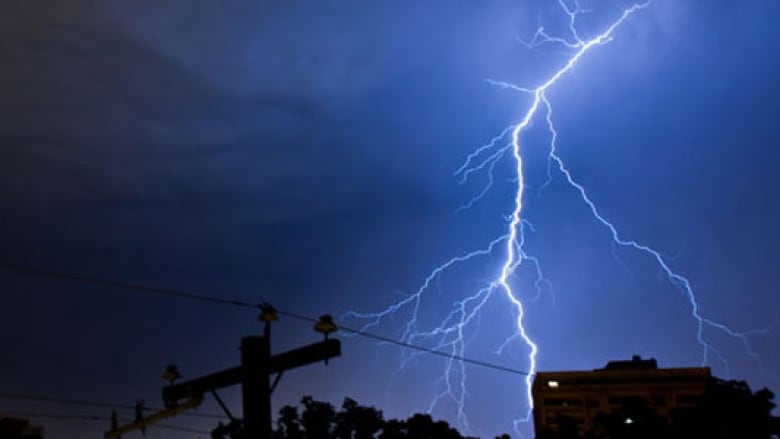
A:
[636, 363]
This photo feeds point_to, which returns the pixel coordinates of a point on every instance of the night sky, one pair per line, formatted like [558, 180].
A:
[303, 153]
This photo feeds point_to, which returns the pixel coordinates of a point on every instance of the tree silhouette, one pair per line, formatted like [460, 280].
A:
[421, 426]
[17, 428]
[289, 423]
[357, 422]
[726, 410]
[319, 420]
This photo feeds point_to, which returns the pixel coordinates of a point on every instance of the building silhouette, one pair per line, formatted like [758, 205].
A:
[573, 399]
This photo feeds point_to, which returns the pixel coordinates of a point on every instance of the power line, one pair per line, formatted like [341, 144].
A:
[180, 294]
[53, 416]
[13, 395]
[123, 285]
[94, 418]
[409, 345]
[87, 403]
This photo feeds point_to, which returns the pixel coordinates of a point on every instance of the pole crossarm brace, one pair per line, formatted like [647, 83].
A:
[156, 417]
[278, 363]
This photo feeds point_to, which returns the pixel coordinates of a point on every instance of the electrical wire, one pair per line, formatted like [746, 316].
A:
[239, 303]
[408, 345]
[94, 418]
[123, 285]
[53, 416]
[86, 403]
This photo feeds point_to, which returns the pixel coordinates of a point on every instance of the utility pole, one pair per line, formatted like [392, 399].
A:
[255, 389]
[253, 374]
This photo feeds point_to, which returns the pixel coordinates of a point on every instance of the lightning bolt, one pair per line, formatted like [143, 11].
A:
[451, 334]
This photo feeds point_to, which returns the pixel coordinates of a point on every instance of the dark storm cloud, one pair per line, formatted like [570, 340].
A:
[138, 137]
[94, 104]
[136, 103]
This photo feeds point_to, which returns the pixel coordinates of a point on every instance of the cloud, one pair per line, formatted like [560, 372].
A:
[92, 112]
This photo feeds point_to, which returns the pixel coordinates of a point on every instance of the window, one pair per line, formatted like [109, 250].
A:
[562, 402]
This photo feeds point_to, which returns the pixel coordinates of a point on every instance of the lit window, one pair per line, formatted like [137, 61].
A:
[553, 384]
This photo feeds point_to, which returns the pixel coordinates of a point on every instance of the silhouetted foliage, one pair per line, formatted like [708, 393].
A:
[319, 420]
[727, 410]
[17, 428]
[357, 422]
[289, 423]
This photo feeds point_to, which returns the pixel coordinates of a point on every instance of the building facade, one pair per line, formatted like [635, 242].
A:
[579, 396]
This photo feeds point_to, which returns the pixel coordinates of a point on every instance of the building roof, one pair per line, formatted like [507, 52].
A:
[636, 369]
